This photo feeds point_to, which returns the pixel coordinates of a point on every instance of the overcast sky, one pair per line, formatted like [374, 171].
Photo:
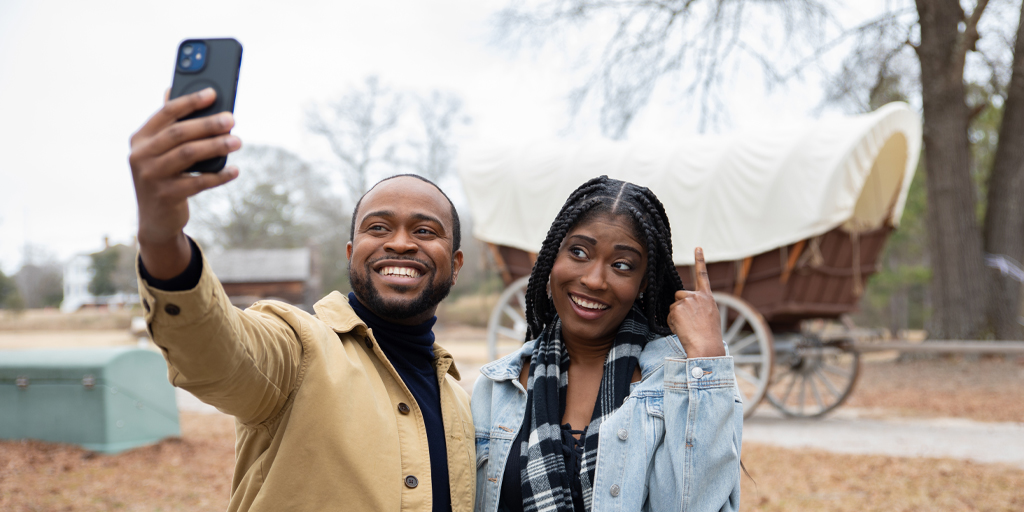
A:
[77, 78]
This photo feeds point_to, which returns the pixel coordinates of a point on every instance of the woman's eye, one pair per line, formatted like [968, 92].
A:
[578, 252]
[622, 265]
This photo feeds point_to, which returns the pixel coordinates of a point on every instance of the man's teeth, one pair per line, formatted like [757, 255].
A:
[399, 271]
[586, 303]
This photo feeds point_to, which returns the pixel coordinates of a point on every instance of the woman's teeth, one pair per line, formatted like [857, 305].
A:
[399, 271]
[586, 303]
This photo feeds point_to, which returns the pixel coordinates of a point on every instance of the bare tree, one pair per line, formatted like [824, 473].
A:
[929, 49]
[650, 42]
[359, 128]
[278, 201]
[434, 153]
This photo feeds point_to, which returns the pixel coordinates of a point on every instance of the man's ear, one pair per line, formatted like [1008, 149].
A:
[456, 265]
[348, 252]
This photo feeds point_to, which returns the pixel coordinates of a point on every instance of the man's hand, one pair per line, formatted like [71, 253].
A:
[694, 316]
[160, 151]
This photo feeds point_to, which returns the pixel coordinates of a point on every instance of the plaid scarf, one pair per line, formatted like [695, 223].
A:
[544, 475]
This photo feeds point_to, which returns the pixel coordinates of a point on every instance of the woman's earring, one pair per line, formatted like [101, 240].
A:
[641, 297]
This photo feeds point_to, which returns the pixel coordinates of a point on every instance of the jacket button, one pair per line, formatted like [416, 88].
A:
[623, 434]
[614, 490]
[172, 310]
[404, 409]
[411, 482]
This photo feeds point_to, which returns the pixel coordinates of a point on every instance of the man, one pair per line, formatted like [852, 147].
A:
[354, 408]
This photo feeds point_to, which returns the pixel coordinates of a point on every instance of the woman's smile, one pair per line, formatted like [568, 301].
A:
[596, 277]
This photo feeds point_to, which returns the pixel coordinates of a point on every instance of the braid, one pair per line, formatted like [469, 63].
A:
[539, 307]
[650, 223]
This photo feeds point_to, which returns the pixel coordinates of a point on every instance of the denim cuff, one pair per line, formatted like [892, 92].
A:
[699, 373]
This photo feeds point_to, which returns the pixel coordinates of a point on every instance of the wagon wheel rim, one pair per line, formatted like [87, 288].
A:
[750, 344]
[508, 318]
[813, 376]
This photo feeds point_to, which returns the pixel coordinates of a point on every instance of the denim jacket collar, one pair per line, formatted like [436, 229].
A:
[652, 358]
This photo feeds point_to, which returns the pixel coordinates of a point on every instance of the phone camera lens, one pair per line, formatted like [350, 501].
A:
[186, 62]
[187, 49]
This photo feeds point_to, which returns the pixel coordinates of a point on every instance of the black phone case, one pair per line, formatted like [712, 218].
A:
[223, 62]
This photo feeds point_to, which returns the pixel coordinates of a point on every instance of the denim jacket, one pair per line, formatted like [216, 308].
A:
[673, 445]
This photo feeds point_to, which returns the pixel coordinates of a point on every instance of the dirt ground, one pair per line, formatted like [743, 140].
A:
[986, 389]
[193, 473]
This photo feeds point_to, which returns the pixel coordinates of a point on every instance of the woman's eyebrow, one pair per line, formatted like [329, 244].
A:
[622, 247]
[591, 241]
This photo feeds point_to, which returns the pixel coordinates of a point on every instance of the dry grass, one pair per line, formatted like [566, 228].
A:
[194, 473]
[53, 320]
[467, 310]
[986, 389]
[190, 473]
[789, 480]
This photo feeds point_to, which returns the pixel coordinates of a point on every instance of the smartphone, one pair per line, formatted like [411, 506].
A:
[203, 63]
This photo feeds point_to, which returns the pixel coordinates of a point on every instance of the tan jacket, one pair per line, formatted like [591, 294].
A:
[317, 406]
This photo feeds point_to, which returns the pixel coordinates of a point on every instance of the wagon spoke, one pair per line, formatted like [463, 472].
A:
[835, 370]
[789, 390]
[738, 347]
[521, 297]
[814, 391]
[747, 377]
[514, 314]
[828, 384]
[511, 333]
[723, 311]
[734, 329]
[803, 393]
[749, 359]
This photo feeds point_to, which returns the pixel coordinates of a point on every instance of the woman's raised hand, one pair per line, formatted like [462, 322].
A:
[694, 316]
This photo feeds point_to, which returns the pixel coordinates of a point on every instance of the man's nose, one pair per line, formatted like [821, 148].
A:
[401, 242]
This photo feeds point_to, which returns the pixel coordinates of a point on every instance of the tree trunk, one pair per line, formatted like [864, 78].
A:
[954, 236]
[1004, 217]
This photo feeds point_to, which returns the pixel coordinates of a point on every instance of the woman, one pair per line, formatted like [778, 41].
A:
[625, 398]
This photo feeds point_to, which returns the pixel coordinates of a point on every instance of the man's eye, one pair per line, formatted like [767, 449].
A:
[424, 231]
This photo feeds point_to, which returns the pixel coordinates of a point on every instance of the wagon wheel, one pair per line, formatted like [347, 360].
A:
[813, 374]
[508, 318]
[750, 343]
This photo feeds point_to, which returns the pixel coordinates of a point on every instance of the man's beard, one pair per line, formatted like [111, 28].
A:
[431, 296]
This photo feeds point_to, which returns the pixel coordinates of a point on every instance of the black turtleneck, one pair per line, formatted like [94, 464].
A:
[410, 350]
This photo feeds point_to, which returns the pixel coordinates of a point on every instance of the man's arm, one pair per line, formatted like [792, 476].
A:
[160, 151]
[243, 363]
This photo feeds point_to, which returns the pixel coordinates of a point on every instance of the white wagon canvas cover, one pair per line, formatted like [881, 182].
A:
[735, 195]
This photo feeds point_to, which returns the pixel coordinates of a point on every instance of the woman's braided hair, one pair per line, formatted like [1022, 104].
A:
[650, 224]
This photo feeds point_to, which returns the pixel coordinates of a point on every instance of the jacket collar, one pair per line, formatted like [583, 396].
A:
[335, 311]
[651, 358]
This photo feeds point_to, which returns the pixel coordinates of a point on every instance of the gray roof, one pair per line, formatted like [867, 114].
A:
[261, 265]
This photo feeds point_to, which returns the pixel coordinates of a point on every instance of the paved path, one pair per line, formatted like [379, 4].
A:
[848, 431]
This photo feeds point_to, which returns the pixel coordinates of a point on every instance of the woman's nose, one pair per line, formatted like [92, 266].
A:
[593, 277]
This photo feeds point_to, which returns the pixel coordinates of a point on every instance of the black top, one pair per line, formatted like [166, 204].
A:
[511, 497]
[408, 348]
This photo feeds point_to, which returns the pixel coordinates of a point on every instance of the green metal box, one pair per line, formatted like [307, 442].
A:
[104, 399]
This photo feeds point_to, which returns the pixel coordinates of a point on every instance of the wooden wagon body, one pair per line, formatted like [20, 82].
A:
[773, 277]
